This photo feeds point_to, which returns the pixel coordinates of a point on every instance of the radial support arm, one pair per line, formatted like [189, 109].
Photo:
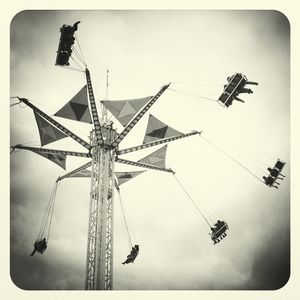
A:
[56, 124]
[158, 142]
[133, 122]
[139, 164]
[95, 117]
[52, 151]
[87, 165]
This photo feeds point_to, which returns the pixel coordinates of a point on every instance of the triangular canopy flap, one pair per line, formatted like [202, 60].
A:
[156, 130]
[59, 159]
[125, 110]
[77, 108]
[48, 133]
[125, 176]
[82, 173]
[156, 158]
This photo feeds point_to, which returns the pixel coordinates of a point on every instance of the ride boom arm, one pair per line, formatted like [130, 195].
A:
[96, 121]
[139, 164]
[133, 122]
[56, 124]
[158, 142]
[52, 151]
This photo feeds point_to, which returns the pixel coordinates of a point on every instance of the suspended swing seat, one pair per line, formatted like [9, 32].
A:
[269, 181]
[235, 83]
[42, 240]
[134, 249]
[40, 246]
[219, 231]
[275, 173]
[279, 165]
[132, 256]
[66, 41]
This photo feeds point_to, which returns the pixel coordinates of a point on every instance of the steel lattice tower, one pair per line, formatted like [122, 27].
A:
[100, 242]
[99, 260]
[105, 141]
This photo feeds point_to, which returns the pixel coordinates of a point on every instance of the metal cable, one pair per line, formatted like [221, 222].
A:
[46, 214]
[73, 69]
[199, 96]
[233, 159]
[125, 221]
[78, 55]
[11, 105]
[198, 209]
[80, 49]
[77, 64]
[52, 208]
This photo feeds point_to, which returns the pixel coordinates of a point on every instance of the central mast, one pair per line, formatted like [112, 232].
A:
[99, 264]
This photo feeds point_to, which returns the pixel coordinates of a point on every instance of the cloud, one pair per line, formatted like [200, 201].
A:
[144, 50]
[271, 265]
[42, 272]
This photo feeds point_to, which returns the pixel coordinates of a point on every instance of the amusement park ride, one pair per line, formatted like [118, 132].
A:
[103, 150]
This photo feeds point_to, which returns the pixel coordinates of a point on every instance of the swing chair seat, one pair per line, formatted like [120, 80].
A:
[217, 232]
[269, 181]
[236, 83]
[40, 245]
[64, 47]
[132, 256]
[275, 173]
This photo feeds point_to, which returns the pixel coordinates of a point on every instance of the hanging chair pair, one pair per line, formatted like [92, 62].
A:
[42, 240]
[134, 249]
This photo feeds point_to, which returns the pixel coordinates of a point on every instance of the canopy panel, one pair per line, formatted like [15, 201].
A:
[125, 110]
[156, 130]
[156, 158]
[121, 176]
[82, 173]
[58, 159]
[125, 176]
[77, 108]
[48, 133]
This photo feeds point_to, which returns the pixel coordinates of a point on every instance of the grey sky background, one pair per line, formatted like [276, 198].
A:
[196, 51]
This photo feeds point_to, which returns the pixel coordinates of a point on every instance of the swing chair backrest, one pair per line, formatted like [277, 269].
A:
[236, 83]
[216, 234]
[279, 165]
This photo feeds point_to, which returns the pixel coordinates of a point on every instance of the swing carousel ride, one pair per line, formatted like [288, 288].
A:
[104, 153]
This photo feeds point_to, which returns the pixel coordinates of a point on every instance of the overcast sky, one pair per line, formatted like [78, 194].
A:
[196, 51]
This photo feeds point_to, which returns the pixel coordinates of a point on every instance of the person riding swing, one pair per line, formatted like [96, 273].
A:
[132, 256]
[39, 246]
